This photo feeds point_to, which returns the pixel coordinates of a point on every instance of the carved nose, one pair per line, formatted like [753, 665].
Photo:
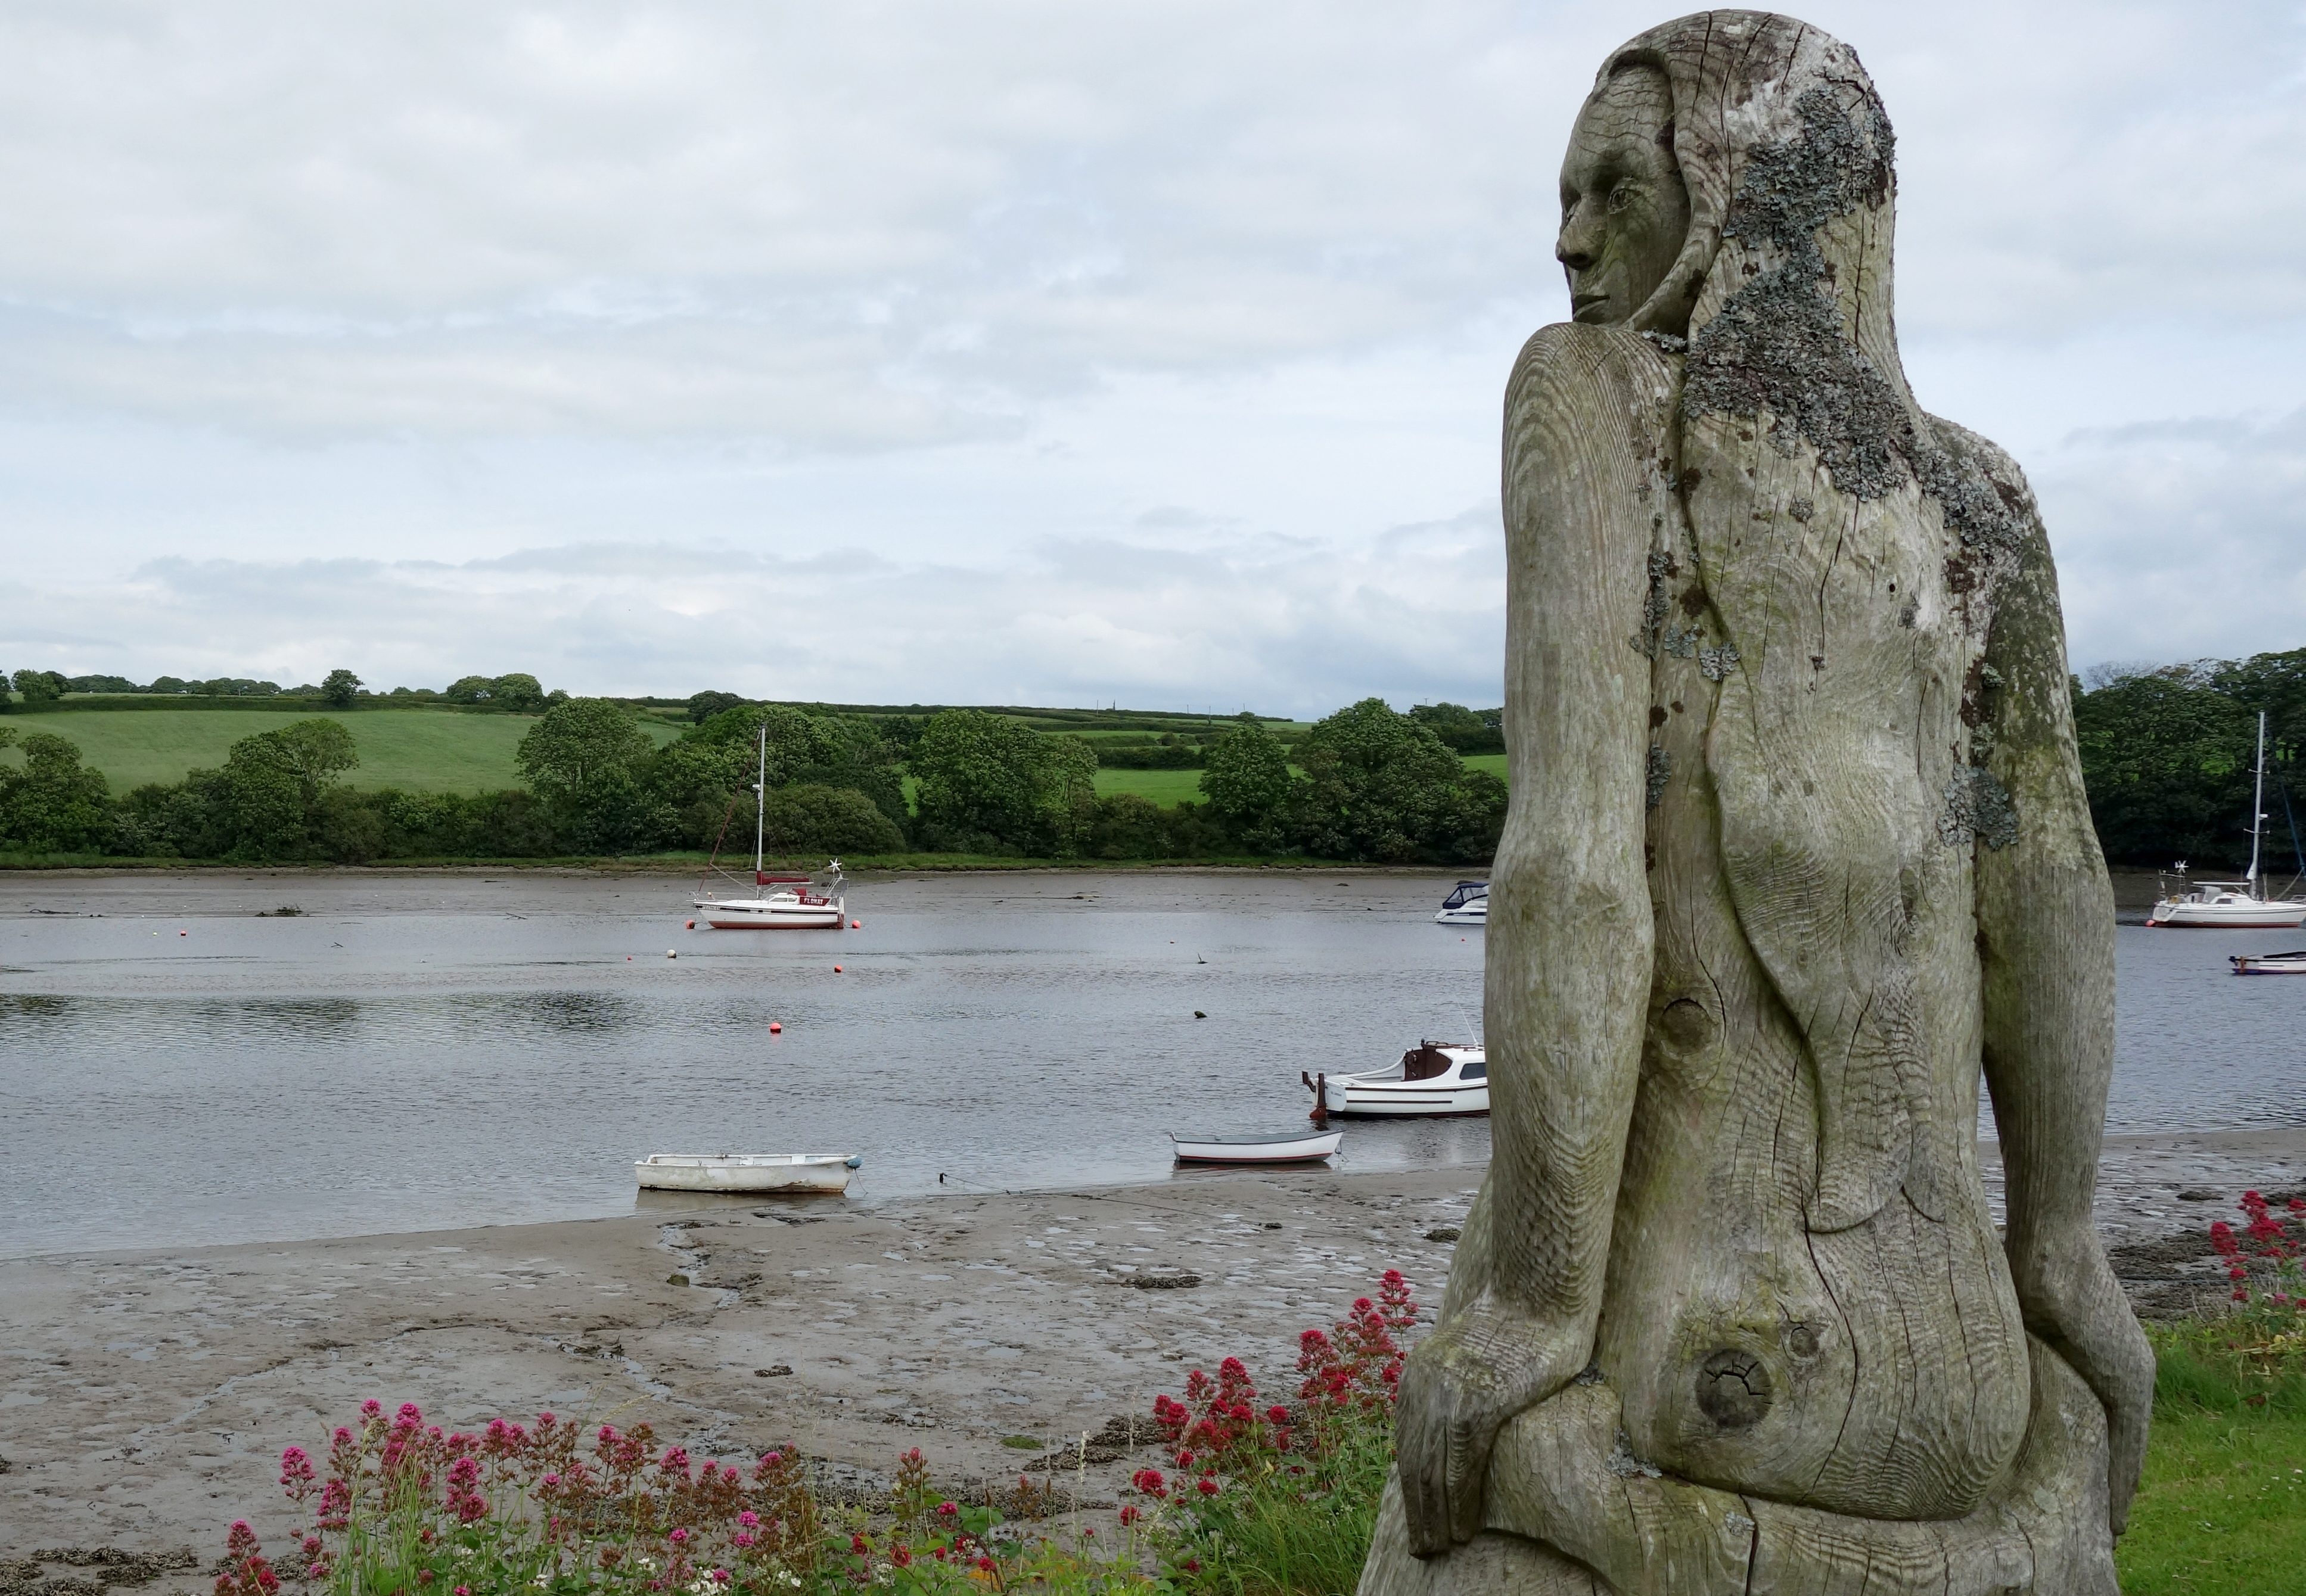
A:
[1575, 257]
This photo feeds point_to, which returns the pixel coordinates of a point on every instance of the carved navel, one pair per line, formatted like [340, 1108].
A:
[1734, 1388]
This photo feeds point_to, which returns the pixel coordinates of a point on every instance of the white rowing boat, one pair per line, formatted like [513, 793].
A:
[746, 1172]
[1283, 1147]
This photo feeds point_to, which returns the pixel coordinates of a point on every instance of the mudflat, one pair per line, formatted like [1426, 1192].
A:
[145, 1396]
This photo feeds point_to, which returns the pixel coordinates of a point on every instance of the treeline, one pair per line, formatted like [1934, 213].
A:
[1366, 784]
[2167, 753]
[516, 692]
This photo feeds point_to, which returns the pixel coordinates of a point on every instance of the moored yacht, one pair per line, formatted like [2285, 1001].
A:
[813, 903]
[2235, 905]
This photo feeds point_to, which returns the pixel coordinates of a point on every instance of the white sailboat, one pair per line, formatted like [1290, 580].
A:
[814, 902]
[2233, 905]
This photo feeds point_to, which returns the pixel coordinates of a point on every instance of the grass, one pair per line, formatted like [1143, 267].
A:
[1495, 763]
[1167, 788]
[2223, 1507]
[418, 750]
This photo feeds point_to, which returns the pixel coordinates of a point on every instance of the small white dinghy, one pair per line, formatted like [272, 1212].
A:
[1281, 1147]
[2268, 964]
[747, 1172]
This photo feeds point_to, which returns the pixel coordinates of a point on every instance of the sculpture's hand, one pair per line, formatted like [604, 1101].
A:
[1476, 1371]
[2072, 1302]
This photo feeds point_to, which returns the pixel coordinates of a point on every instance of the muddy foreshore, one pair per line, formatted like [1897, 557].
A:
[146, 1395]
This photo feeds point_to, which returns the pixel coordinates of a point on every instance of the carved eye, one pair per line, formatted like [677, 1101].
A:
[1622, 196]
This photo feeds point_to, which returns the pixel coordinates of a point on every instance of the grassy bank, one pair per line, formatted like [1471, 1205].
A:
[2223, 1508]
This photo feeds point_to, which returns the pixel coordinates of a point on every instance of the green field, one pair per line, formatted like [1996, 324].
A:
[1164, 788]
[417, 750]
[1495, 763]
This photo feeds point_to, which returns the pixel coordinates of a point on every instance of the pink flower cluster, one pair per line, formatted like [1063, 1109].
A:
[246, 1571]
[1359, 1361]
[1219, 1430]
[532, 1482]
[2269, 1238]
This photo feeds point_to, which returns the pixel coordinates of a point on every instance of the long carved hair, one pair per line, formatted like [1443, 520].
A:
[1849, 546]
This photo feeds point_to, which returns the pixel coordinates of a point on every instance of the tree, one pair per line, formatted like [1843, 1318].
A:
[470, 689]
[341, 688]
[52, 803]
[2165, 758]
[1248, 784]
[520, 691]
[583, 758]
[1380, 786]
[703, 706]
[1467, 730]
[580, 745]
[274, 781]
[40, 687]
[807, 819]
[992, 784]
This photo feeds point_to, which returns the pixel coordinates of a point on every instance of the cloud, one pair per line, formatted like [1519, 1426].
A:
[1052, 350]
[1413, 614]
[2181, 539]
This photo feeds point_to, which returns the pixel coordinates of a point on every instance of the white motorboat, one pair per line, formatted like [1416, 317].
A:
[1432, 1079]
[2268, 964]
[2232, 905]
[746, 1173]
[1284, 1147]
[1468, 905]
[814, 902]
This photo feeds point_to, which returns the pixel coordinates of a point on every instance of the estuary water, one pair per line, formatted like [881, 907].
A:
[413, 1053]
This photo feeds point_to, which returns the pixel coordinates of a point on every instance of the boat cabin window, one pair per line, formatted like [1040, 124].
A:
[1478, 1069]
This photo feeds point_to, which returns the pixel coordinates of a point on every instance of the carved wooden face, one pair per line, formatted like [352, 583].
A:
[1625, 209]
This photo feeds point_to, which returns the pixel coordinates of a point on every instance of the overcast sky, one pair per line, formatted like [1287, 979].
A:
[1002, 351]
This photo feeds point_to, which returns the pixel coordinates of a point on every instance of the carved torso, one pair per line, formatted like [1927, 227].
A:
[1801, 1169]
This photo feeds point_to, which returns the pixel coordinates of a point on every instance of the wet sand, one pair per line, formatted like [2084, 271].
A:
[144, 1396]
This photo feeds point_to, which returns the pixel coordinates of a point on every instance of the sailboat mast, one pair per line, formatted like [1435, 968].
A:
[761, 804]
[2257, 804]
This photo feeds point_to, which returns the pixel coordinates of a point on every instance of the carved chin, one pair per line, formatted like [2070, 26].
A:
[1599, 313]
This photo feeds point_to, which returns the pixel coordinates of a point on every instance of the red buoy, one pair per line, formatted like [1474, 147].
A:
[836, 970]
[774, 1028]
[692, 925]
[856, 924]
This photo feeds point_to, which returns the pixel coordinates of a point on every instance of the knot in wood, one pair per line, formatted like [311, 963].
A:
[1734, 1388]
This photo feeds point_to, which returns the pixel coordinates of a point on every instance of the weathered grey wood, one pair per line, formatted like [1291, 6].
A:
[1797, 843]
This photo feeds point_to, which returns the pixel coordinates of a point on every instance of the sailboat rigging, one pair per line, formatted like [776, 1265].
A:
[812, 902]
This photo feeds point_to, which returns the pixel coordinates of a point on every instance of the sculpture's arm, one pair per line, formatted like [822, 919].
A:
[2046, 933]
[1570, 931]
